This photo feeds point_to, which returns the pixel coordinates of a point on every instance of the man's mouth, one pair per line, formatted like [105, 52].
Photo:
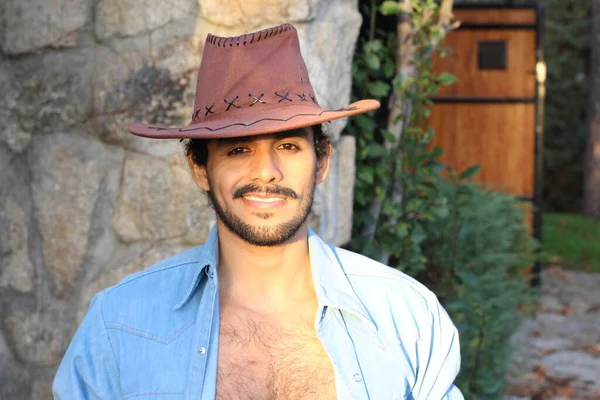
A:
[269, 192]
[260, 200]
[263, 199]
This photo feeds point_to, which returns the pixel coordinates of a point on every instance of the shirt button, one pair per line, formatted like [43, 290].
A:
[357, 377]
[201, 350]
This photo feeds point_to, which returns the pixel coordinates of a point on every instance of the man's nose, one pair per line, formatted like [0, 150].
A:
[265, 166]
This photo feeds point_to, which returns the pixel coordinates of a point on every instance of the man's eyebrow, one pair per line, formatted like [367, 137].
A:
[294, 133]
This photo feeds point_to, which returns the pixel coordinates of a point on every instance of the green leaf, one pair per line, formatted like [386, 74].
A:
[378, 89]
[389, 68]
[374, 149]
[390, 7]
[413, 130]
[373, 61]
[365, 174]
[467, 173]
[436, 152]
[388, 136]
[464, 190]
[380, 193]
[373, 46]
[365, 122]
[446, 78]
[401, 229]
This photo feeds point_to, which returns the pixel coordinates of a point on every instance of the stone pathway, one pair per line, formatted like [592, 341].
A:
[560, 346]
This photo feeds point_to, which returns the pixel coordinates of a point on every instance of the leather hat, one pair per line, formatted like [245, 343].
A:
[252, 84]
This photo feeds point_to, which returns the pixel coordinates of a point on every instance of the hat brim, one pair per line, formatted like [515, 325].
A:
[257, 123]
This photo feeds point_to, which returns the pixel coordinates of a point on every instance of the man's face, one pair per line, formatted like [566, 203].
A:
[262, 187]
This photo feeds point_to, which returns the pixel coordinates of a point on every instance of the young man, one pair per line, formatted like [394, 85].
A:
[264, 309]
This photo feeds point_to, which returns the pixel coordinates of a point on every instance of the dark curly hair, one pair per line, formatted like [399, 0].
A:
[198, 148]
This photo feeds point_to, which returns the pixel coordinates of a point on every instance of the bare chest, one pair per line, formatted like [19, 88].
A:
[261, 360]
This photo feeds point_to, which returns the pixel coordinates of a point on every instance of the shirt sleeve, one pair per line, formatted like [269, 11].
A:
[89, 369]
[438, 353]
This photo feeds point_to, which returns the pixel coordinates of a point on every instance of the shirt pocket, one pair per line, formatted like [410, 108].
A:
[153, 361]
[162, 333]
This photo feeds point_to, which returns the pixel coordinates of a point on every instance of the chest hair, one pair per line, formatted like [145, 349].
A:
[262, 358]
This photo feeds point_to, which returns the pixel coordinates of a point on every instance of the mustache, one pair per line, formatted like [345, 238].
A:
[271, 189]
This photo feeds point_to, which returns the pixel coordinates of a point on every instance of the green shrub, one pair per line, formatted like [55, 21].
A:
[477, 257]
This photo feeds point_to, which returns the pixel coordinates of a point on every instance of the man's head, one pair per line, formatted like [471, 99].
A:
[252, 86]
[262, 187]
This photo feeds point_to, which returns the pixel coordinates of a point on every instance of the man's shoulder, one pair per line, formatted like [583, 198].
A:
[174, 265]
[362, 270]
[390, 296]
[161, 283]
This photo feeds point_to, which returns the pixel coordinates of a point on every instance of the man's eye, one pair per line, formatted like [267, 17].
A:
[288, 146]
[238, 150]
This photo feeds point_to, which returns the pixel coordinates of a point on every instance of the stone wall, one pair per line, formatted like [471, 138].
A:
[82, 202]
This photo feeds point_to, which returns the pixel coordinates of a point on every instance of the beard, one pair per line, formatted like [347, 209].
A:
[265, 236]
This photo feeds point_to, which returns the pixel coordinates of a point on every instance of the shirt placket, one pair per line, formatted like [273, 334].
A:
[341, 349]
[202, 370]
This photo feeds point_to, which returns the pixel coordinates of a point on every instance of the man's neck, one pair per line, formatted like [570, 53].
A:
[265, 279]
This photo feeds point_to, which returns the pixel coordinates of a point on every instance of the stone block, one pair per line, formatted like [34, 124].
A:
[131, 17]
[129, 88]
[16, 269]
[15, 381]
[54, 91]
[346, 149]
[159, 200]
[39, 338]
[67, 174]
[573, 364]
[33, 24]
[11, 131]
[331, 216]
[42, 389]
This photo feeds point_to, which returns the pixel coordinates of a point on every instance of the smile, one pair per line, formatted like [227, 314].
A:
[263, 199]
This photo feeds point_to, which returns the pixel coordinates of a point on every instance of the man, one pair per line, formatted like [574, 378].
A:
[265, 309]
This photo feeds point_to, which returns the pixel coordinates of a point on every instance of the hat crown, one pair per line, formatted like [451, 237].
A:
[240, 75]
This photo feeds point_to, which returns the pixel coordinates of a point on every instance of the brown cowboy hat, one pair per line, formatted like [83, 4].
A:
[253, 84]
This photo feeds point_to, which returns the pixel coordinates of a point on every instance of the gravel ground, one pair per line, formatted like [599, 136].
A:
[559, 354]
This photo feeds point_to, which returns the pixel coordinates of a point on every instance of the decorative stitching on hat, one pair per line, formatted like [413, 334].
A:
[283, 97]
[209, 110]
[231, 103]
[257, 99]
[302, 97]
[195, 114]
[243, 39]
[159, 129]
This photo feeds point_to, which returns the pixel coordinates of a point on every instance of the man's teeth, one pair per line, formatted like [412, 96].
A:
[263, 199]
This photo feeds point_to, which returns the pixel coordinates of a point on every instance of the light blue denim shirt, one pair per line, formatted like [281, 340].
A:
[155, 335]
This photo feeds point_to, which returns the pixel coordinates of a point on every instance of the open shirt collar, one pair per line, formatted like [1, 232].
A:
[331, 283]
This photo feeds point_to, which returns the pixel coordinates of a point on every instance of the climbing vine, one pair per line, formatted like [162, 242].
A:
[395, 192]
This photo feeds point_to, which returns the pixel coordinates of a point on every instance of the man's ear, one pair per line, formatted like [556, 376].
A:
[323, 164]
[198, 174]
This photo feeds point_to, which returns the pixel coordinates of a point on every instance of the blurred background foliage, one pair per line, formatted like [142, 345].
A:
[417, 215]
[567, 49]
